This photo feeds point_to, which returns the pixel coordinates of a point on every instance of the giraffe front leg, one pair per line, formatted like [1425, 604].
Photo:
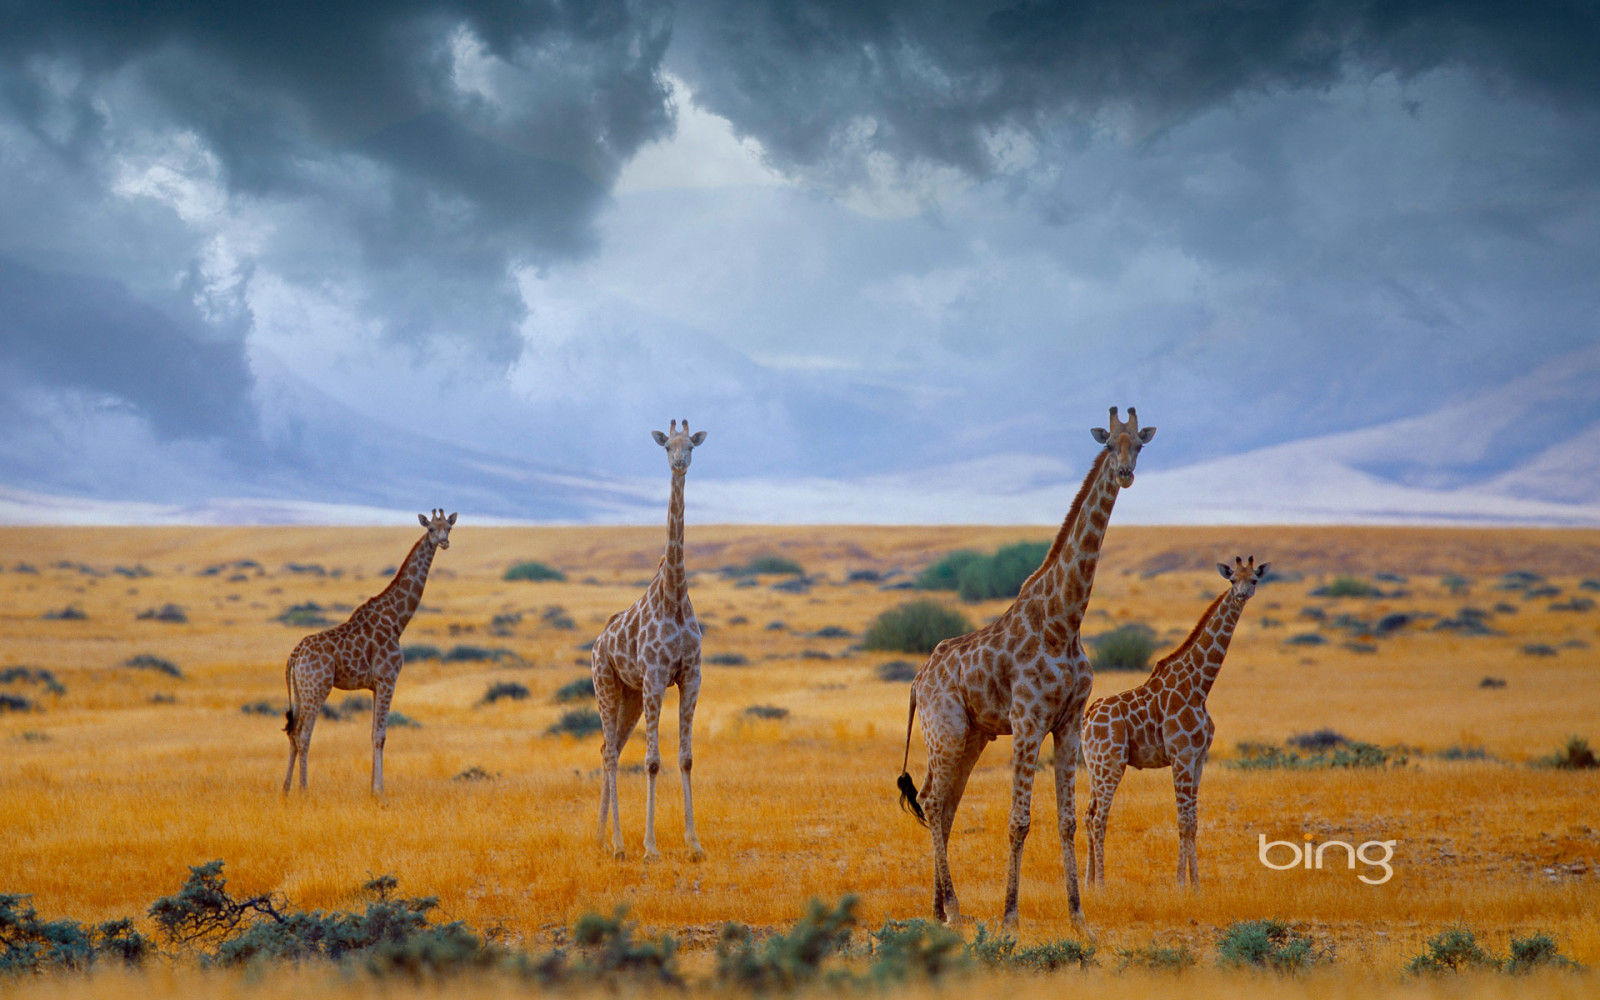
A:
[656, 688]
[1105, 775]
[688, 695]
[1024, 756]
[382, 695]
[1186, 784]
[1066, 774]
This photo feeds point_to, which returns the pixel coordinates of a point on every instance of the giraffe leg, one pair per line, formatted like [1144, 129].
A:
[627, 717]
[1105, 774]
[1186, 783]
[971, 749]
[1066, 741]
[306, 715]
[655, 689]
[1025, 742]
[688, 695]
[382, 695]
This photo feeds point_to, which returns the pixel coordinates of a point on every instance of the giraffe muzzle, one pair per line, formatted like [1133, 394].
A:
[1125, 477]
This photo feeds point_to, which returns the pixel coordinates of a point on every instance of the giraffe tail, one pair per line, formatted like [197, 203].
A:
[288, 682]
[908, 788]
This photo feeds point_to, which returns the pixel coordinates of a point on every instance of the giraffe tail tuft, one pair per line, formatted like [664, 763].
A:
[908, 797]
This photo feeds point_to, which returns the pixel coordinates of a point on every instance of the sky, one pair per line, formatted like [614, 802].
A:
[302, 262]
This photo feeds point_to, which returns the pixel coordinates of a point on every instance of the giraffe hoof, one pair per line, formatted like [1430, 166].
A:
[619, 854]
[652, 855]
[696, 853]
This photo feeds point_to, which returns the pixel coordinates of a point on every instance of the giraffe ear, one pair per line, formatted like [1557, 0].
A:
[698, 437]
[1261, 571]
[1145, 434]
[422, 520]
[661, 438]
[1225, 570]
[451, 520]
[1100, 434]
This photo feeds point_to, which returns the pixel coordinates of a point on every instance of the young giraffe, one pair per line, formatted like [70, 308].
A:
[1164, 723]
[361, 654]
[640, 653]
[1023, 675]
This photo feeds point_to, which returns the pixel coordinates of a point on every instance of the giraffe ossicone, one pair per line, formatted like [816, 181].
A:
[641, 652]
[1024, 675]
[1164, 723]
[363, 653]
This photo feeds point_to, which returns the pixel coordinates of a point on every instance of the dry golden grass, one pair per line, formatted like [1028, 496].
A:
[108, 795]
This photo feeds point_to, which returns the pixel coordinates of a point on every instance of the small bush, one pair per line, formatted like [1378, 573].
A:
[1001, 952]
[306, 615]
[915, 949]
[1575, 756]
[166, 613]
[33, 675]
[784, 961]
[579, 722]
[1574, 604]
[1351, 754]
[28, 944]
[1492, 682]
[264, 708]
[795, 585]
[832, 632]
[727, 660]
[1455, 583]
[1264, 944]
[472, 654]
[503, 689]
[915, 627]
[772, 565]
[474, 773]
[1453, 950]
[1156, 957]
[1306, 639]
[767, 712]
[1392, 623]
[897, 671]
[1538, 649]
[581, 689]
[1126, 647]
[533, 571]
[1537, 950]
[70, 613]
[15, 703]
[979, 577]
[402, 720]
[1318, 739]
[420, 651]
[610, 951]
[144, 661]
[1347, 586]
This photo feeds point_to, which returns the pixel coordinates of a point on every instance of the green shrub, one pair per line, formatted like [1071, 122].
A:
[784, 961]
[915, 627]
[1347, 586]
[610, 951]
[503, 689]
[465, 653]
[1264, 944]
[1453, 950]
[978, 577]
[1000, 951]
[1350, 754]
[70, 613]
[773, 565]
[581, 689]
[34, 675]
[1156, 957]
[28, 944]
[727, 659]
[579, 722]
[1537, 950]
[166, 613]
[144, 661]
[767, 712]
[1538, 649]
[15, 703]
[307, 615]
[533, 571]
[915, 949]
[420, 651]
[1126, 647]
[474, 773]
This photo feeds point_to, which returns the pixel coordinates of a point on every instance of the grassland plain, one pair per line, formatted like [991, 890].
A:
[115, 786]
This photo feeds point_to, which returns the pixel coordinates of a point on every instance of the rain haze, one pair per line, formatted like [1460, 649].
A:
[302, 262]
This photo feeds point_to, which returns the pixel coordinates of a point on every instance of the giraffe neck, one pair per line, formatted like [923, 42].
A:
[1067, 574]
[1195, 664]
[673, 586]
[398, 602]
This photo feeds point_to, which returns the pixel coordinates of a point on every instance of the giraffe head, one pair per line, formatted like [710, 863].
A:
[1243, 575]
[1124, 440]
[438, 527]
[679, 444]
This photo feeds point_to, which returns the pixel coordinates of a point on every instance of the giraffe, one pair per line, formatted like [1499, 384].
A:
[1023, 675]
[361, 654]
[642, 651]
[1164, 723]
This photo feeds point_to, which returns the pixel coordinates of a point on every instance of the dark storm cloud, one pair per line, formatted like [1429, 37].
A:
[821, 85]
[90, 333]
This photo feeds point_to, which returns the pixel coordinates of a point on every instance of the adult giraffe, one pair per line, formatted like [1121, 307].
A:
[640, 653]
[1023, 675]
[361, 654]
